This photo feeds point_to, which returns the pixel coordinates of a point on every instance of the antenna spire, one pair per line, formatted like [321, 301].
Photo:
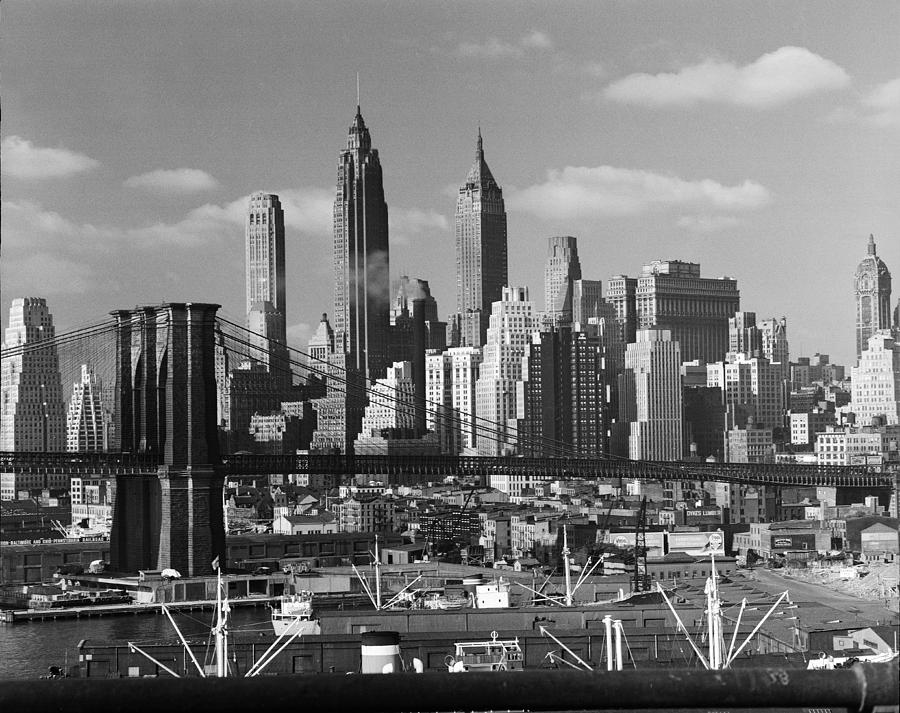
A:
[357, 92]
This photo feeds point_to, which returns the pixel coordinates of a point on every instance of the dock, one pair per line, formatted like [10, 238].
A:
[12, 616]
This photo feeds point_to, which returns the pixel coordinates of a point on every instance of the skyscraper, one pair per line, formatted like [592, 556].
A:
[560, 272]
[743, 334]
[32, 408]
[872, 284]
[85, 426]
[512, 322]
[361, 261]
[481, 256]
[671, 295]
[653, 394]
[875, 383]
[265, 282]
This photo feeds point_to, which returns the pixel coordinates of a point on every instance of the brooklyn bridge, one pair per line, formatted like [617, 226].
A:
[168, 474]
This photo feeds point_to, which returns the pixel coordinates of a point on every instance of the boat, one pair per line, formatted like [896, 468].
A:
[493, 655]
[294, 615]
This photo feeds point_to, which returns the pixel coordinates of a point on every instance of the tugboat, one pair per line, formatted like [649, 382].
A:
[494, 655]
[294, 615]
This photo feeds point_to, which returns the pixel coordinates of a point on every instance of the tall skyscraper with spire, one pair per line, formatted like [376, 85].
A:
[481, 254]
[361, 261]
[872, 284]
[265, 282]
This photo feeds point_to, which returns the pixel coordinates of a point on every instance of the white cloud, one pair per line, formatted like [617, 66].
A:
[176, 180]
[707, 223]
[775, 78]
[883, 104]
[22, 159]
[51, 274]
[494, 48]
[408, 225]
[298, 335]
[584, 192]
[27, 223]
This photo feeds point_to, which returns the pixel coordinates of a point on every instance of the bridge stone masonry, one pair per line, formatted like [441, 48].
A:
[167, 512]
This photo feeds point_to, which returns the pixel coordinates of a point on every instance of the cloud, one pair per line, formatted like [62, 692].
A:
[707, 223]
[775, 78]
[55, 274]
[177, 180]
[408, 225]
[882, 104]
[298, 335]
[22, 159]
[583, 192]
[28, 224]
[495, 48]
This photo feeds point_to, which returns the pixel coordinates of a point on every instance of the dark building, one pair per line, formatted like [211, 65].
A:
[361, 259]
[704, 421]
[564, 396]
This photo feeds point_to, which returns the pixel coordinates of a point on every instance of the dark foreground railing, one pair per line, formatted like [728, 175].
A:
[861, 688]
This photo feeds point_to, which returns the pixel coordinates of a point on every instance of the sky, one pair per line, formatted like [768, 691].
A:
[760, 139]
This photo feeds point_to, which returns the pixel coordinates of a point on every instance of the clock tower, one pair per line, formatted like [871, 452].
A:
[872, 284]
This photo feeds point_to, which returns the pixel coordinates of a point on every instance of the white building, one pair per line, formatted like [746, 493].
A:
[85, 423]
[875, 383]
[854, 446]
[32, 407]
[450, 379]
[750, 387]
[653, 389]
[511, 323]
[391, 401]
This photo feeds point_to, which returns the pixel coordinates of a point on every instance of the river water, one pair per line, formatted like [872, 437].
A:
[28, 649]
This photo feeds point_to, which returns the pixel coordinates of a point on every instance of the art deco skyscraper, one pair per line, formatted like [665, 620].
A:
[560, 272]
[265, 282]
[481, 255]
[873, 297]
[361, 277]
[85, 424]
[32, 408]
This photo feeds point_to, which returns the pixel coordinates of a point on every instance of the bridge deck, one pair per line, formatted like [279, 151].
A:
[466, 467]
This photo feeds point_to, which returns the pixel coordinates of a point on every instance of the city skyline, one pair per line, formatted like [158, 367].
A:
[769, 157]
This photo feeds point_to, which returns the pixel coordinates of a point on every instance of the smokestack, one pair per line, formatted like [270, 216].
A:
[418, 362]
[381, 652]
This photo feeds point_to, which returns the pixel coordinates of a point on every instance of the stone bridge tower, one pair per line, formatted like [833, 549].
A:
[166, 406]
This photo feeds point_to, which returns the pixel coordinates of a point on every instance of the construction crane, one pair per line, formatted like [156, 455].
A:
[641, 577]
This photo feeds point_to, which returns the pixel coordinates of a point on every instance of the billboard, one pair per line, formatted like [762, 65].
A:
[806, 541]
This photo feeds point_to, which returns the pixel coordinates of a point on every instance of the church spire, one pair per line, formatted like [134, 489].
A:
[871, 244]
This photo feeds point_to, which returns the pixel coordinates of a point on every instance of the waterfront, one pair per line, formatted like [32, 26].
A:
[28, 649]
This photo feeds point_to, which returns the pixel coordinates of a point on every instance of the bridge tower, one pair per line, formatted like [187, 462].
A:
[166, 405]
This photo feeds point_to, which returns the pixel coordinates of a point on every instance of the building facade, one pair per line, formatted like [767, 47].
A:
[561, 270]
[361, 257]
[265, 282]
[672, 295]
[875, 383]
[32, 407]
[511, 324]
[653, 392]
[85, 421]
[481, 252]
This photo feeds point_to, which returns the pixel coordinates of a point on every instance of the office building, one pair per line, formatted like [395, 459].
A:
[451, 377]
[872, 284]
[671, 295]
[32, 407]
[265, 283]
[743, 334]
[652, 388]
[875, 383]
[481, 253]
[561, 270]
[751, 387]
[361, 258]
[511, 324]
[85, 420]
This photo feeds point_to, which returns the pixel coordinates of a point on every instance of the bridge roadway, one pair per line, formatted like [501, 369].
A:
[782, 474]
